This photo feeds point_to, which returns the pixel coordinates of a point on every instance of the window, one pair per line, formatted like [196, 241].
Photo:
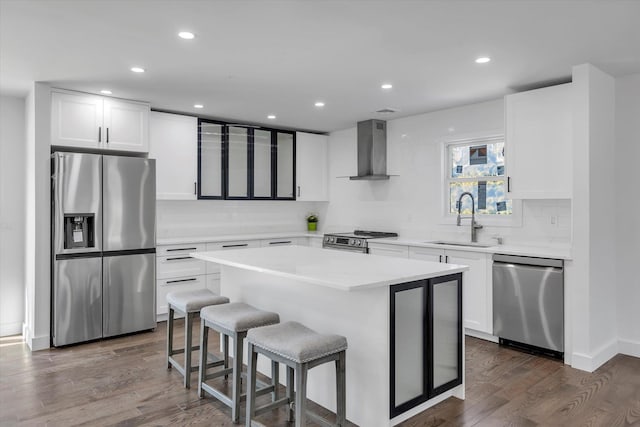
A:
[476, 166]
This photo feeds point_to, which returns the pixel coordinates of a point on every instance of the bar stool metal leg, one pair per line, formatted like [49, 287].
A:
[290, 393]
[169, 337]
[251, 386]
[301, 394]
[188, 340]
[341, 390]
[204, 346]
[237, 377]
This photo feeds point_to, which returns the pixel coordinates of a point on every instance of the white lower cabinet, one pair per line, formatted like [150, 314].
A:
[477, 295]
[389, 250]
[175, 284]
[288, 241]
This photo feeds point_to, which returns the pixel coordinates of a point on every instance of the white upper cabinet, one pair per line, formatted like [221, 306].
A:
[92, 121]
[174, 145]
[311, 167]
[538, 143]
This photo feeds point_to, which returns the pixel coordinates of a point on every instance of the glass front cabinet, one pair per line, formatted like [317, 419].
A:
[426, 340]
[237, 162]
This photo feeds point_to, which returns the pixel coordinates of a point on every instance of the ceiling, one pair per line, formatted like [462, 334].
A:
[254, 58]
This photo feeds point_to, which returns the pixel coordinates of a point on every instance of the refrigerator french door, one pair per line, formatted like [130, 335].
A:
[103, 246]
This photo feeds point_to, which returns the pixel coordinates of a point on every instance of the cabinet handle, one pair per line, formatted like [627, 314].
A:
[508, 184]
[195, 188]
[107, 135]
[179, 258]
[99, 133]
[446, 259]
[440, 258]
[235, 246]
[284, 242]
[193, 279]
[298, 191]
[181, 249]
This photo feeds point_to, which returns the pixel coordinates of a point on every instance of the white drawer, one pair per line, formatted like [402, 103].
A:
[179, 250]
[180, 284]
[224, 246]
[180, 265]
[279, 242]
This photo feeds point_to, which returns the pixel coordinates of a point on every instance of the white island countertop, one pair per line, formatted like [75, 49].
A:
[330, 268]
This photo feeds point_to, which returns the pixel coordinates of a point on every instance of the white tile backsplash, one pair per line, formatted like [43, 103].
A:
[223, 217]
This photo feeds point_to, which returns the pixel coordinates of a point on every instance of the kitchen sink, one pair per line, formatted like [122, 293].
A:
[469, 244]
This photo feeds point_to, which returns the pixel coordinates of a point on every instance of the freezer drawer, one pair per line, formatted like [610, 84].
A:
[77, 300]
[528, 304]
[129, 284]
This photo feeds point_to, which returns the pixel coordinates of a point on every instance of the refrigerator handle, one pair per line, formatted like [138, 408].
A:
[105, 300]
[99, 133]
[57, 203]
[107, 135]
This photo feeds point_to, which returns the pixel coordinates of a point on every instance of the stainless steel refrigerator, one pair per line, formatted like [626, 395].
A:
[103, 246]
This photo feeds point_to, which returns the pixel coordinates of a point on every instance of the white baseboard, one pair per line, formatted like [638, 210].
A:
[41, 342]
[8, 329]
[590, 363]
[481, 335]
[629, 347]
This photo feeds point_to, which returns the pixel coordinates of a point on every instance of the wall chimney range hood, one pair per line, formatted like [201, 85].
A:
[372, 151]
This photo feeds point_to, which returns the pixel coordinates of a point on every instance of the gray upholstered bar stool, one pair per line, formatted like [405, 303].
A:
[233, 320]
[300, 349]
[188, 303]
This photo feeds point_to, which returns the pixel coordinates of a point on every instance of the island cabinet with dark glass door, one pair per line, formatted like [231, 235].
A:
[426, 340]
[244, 162]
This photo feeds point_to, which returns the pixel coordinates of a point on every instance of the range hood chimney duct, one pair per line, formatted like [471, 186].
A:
[372, 150]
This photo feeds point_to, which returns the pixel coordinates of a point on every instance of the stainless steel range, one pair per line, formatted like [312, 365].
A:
[355, 242]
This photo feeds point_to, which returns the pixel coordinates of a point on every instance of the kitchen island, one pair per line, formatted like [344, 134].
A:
[402, 319]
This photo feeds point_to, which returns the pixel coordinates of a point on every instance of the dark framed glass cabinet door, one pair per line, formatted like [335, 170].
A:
[211, 137]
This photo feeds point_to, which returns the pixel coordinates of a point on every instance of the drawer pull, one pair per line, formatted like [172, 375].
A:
[193, 279]
[181, 249]
[284, 242]
[179, 258]
[235, 246]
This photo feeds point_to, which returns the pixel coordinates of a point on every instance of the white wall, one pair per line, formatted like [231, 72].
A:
[410, 203]
[12, 214]
[223, 217]
[627, 208]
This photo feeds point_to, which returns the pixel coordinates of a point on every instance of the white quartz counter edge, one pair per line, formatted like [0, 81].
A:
[533, 251]
[231, 237]
[333, 269]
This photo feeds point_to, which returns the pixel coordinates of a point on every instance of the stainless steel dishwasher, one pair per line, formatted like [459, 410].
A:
[528, 303]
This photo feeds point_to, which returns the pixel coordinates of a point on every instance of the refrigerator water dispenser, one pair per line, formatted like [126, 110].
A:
[79, 231]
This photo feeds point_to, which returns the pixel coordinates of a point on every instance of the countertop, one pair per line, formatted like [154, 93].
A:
[232, 237]
[335, 269]
[522, 250]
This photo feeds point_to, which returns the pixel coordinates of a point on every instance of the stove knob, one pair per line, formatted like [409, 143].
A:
[359, 242]
[352, 242]
[332, 240]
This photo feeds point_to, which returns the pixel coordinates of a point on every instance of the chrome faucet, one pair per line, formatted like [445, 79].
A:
[474, 225]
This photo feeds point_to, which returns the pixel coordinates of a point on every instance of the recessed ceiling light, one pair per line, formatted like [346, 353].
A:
[271, 117]
[386, 86]
[106, 91]
[483, 60]
[319, 104]
[198, 106]
[137, 69]
[186, 35]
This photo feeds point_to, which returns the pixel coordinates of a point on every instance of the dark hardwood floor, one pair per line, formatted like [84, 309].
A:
[124, 381]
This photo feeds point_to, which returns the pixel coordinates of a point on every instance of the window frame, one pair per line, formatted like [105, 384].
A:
[515, 219]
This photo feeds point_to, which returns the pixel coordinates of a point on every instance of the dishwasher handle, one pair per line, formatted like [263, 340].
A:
[524, 260]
